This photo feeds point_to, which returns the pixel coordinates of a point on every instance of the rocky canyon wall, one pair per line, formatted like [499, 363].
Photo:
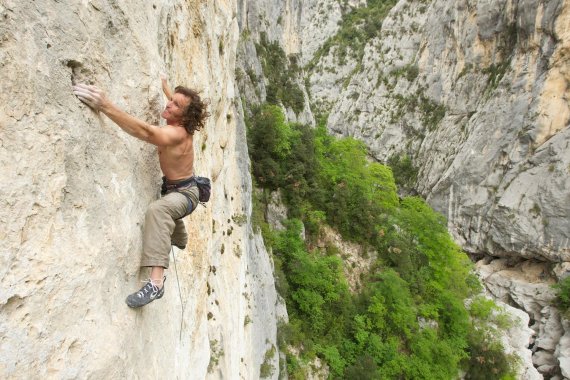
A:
[477, 94]
[75, 188]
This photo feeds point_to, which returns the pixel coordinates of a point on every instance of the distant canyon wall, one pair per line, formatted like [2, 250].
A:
[477, 94]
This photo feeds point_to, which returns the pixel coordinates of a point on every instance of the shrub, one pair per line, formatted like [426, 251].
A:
[281, 74]
[431, 112]
[405, 173]
[563, 294]
[269, 139]
[486, 353]
[312, 296]
[487, 358]
[266, 369]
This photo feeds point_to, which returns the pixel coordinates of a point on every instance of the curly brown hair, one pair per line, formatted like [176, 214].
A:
[195, 114]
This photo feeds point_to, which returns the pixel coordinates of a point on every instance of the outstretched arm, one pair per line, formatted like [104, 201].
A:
[96, 99]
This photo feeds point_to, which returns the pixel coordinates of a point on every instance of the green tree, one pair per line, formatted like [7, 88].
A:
[318, 290]
[354, 193]
[405, 173]
[269, 138]
[563, 294]
[281, 73]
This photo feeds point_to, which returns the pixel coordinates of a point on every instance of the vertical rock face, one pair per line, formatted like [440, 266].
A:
[75, 188]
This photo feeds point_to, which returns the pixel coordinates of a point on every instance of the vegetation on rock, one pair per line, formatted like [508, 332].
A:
[357, 27]
[281, 72]
[409, 319]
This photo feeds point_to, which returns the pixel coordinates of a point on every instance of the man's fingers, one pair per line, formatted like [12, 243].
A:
[86, 101]
[82, 92]
[87, 90]
[87, 87]
[83, 89]
[85, 96]
[90, 95]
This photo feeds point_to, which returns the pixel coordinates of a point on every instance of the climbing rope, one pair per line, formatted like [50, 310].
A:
[179, 292]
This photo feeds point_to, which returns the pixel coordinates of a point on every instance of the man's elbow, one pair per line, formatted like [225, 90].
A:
[155, 139]
[148, 135]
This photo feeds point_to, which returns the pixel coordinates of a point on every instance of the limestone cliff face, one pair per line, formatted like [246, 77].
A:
[75, 188]
[476, 92]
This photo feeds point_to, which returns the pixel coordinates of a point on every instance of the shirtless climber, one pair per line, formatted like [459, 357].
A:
[185, 113]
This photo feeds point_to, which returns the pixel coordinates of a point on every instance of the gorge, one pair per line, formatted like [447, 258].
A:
[472, 94]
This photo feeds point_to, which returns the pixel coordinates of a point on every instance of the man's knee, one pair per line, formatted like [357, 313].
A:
[155, 208]
[173, 205]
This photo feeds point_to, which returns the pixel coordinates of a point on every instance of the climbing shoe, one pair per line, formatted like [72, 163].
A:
[148, 293]
[179, 246]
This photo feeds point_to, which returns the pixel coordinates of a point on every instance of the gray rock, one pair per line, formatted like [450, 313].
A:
[276, 212]
[543, 359]
[565, 367]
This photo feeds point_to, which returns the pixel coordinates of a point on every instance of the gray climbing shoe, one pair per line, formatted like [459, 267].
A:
[148, 293]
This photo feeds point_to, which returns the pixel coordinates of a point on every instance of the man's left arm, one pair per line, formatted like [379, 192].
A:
[165, 88]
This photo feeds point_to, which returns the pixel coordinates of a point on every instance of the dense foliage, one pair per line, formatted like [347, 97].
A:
[405, 173]
[408, 321]
[280, 72]
[358, 27]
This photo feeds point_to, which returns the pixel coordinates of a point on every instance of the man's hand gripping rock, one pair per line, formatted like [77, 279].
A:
[90, 95]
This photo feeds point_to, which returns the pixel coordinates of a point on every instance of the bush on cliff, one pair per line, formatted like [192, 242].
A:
[409, 319]
[563, 295]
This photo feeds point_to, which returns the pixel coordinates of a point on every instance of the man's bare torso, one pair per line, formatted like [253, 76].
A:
[177, 162]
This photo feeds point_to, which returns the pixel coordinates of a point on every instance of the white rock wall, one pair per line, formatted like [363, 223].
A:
[320, 20]
[516, 339]
[528, 287]
[75, 188]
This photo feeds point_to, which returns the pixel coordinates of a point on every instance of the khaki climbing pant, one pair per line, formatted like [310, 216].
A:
[163, 225]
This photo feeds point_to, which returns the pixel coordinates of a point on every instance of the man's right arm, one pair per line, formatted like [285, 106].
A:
[96, 99]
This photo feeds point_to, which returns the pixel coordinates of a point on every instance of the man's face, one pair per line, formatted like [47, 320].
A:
[175, 108]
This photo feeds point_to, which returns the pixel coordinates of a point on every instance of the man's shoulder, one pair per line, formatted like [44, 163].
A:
[178, 129]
